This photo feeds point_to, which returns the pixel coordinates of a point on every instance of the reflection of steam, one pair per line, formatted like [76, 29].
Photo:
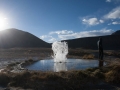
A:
[60, 50]
[60, 67]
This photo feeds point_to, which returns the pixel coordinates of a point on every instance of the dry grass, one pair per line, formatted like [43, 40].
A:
[77, 52]
[41, 53]
[115, 53]
[25, 53]
[113, 75]
[79, 79]
[34, 53]
[38, 80]
[88, 56]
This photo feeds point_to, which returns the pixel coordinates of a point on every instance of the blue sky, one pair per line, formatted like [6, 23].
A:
[54, 20]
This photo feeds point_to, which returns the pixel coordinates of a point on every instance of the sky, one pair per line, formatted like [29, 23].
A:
[55, 20]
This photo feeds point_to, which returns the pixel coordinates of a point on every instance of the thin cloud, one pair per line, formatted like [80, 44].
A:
[48, 38]
[115, 1]
[73, 35]
[61, 32]
[86, 34]
[108, 0]
[43, 36]
[115, 22]
[101, 21]
[92, 21]
[52, 40]
[113, 14]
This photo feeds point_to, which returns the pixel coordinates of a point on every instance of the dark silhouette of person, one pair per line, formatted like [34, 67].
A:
[100, 63]
[100, 48]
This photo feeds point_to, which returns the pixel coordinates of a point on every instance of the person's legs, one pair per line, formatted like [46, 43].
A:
[100, 63]
[101, 54]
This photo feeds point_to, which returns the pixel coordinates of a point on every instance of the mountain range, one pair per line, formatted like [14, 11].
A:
[14, 38]
[110, 42]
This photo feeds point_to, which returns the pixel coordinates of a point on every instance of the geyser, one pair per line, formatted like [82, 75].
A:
[60, 50]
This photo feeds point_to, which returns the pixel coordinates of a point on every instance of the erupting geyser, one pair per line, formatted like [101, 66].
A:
[60, 50]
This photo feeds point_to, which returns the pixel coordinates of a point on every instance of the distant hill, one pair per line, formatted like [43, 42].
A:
[110, 42]
[116, 33]
[14, 38]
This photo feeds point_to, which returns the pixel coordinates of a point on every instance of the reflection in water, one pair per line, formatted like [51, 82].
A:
[71, 64]
[100, 63]
[60, 66]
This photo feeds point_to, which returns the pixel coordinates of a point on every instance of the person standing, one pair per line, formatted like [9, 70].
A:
[100, 48]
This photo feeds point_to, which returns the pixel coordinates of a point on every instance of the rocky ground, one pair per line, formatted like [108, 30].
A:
[17, 55]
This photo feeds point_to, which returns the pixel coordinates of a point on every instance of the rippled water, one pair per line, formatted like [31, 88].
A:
[71, 64]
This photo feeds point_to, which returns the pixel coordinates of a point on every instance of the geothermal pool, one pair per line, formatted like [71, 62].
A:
[70, 64]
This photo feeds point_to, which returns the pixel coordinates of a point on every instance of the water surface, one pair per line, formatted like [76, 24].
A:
[71, 64]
